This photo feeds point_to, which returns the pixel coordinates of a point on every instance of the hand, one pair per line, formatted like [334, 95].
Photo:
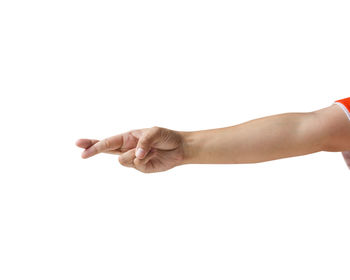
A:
[148, 150]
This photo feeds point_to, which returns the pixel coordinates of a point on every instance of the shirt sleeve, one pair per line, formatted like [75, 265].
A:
[345, 105]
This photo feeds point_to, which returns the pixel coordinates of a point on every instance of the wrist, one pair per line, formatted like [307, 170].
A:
[189, 146]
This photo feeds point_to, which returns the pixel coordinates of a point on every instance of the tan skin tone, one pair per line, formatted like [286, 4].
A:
[164, 148]
[264, 139]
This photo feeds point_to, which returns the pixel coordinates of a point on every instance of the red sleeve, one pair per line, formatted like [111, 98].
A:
[345, 105]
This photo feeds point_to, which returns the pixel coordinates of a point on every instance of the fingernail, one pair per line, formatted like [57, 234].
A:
[140, 152]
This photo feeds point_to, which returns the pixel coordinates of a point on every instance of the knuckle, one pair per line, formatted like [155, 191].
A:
[150, 134]
[155, 130]
[122, 160]
[158, 130]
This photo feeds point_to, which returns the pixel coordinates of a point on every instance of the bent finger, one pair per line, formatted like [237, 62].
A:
[143, 164]
[127, 158]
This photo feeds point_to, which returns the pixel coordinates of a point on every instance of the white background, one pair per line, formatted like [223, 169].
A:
[92, 69]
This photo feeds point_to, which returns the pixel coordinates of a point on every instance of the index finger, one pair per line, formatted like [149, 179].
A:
[107, 144]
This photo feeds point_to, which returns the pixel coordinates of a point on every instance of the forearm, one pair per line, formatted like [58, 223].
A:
[259, 140]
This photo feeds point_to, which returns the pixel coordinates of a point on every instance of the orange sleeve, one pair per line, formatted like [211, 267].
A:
[345, 105]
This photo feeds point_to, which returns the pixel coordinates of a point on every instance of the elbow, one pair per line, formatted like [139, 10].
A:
[332, 127]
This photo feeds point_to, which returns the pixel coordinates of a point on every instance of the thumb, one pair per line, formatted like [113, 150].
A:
[146, 140]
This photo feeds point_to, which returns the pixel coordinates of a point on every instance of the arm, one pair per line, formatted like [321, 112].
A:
[158, 149]
[270, 138]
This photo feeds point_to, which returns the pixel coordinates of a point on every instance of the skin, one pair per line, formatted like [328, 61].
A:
[264, 139]
[163, 148]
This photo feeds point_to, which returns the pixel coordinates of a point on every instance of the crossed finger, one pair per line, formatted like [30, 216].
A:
[107, 145]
